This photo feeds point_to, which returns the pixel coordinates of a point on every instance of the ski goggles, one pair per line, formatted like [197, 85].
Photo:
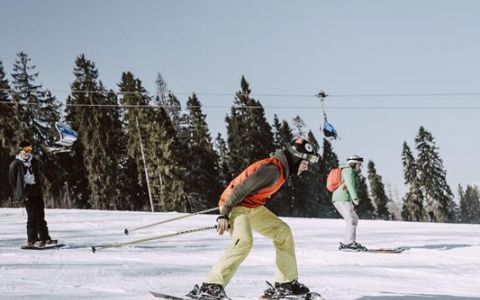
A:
[310, 157]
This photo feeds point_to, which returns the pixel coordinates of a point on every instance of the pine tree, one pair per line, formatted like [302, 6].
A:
[134, 185]
[8, 131]
[328, 161]
[432, 178]
[162, 90]
[83, 89]
[329, 158]
[222, 153]
[38, 109]
[166, 157]
[250, 136]
[459, 216]
[412, 209]
[202, 169]
[365, 209]
[163, 149]
[377, 192]
[286, 133]
[278, 141]
[174, 124]
[8, 122]
[470, 204]
[105, 152]
[299, 126]
[394, 205]
[169, 102]
[173, 108]
[94, 176]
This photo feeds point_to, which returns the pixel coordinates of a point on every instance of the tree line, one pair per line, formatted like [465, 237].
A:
[136, 150]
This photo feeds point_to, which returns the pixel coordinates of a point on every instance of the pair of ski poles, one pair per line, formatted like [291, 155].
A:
[127, 231]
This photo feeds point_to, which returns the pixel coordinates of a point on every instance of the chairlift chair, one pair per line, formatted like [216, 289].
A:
[328, 130]
[67, 137]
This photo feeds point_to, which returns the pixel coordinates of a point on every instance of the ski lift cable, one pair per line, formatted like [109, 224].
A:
[309, 107]
[444, 94]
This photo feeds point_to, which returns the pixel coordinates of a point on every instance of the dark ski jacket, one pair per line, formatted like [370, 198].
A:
[16, 176]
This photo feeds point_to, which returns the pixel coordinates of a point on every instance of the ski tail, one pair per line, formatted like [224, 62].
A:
[168, 297]
[388, 250]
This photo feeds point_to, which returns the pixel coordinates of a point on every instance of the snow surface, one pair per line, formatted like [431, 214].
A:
[443, 260]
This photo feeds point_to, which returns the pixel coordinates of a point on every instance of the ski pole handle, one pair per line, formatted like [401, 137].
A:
[127, 231]
[117, 245]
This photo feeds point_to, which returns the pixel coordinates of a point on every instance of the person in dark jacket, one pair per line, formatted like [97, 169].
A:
[26, 182]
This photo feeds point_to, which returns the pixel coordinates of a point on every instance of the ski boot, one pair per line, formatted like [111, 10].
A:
[354, 247]
[286, 290]
[40, 244]
[208, 291]
[51, 242]
[45, 243]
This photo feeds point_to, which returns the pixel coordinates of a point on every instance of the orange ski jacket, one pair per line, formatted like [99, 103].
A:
[259, 195]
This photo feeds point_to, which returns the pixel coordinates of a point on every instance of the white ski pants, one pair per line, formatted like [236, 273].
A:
[350, 216]
[242, 221]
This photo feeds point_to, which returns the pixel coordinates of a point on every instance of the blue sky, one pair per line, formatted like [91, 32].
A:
[282, 47]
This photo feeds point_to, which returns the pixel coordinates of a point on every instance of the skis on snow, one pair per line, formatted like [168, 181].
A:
[272, 293]
[388, 250]
[308, 296]
[53, 245]
[170, 297]
[378, 250]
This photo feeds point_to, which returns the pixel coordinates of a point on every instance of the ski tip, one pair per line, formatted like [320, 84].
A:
[126, 231]
[93, 249]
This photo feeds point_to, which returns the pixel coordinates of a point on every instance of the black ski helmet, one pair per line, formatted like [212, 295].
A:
[354, 159]
[298, 150]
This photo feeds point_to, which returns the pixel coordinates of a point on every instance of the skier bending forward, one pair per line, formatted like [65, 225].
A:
[242, 210]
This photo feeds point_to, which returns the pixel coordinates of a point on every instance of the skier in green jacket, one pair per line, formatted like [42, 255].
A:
[344, 197]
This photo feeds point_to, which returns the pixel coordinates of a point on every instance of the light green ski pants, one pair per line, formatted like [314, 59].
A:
[242, 221]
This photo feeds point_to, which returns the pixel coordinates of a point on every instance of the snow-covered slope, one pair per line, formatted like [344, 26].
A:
[443, 260]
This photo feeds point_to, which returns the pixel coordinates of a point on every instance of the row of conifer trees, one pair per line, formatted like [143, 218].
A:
[128, 135]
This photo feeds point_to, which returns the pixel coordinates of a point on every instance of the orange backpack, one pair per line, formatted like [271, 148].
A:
[334, 179]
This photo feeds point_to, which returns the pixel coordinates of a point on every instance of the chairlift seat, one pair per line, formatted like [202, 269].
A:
[67, 135]
[329, 131]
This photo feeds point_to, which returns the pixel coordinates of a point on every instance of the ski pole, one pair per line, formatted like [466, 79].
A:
[117, 245]
[127, 231]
